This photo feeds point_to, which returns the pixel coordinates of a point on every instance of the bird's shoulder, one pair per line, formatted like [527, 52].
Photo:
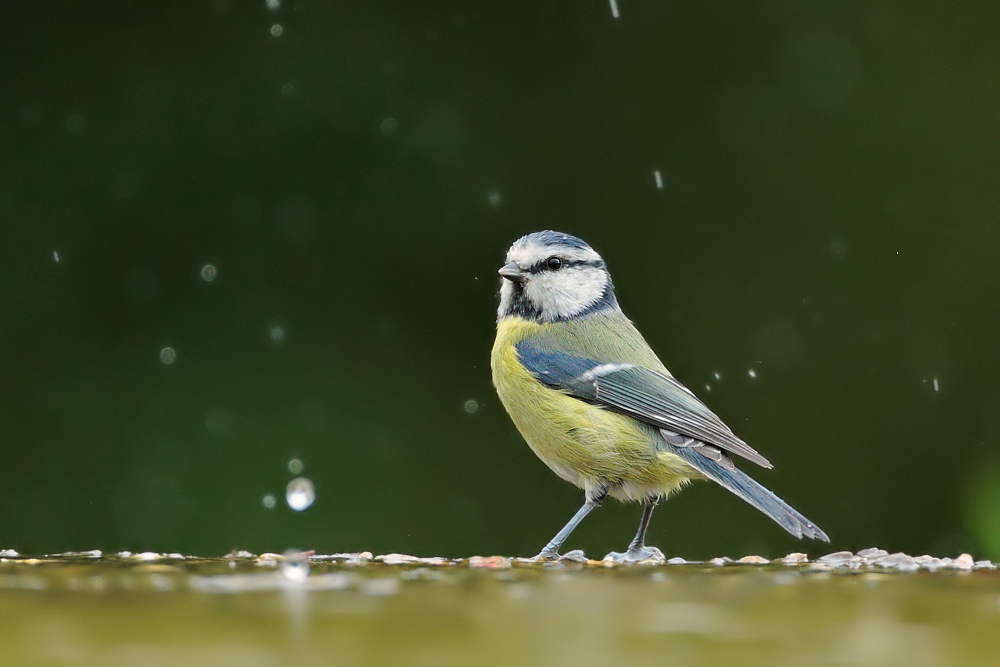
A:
[606, 338]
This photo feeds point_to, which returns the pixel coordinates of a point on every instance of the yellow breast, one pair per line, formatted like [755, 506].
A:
[582, 443]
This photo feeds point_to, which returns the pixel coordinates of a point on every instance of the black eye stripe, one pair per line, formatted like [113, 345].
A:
[540, 265]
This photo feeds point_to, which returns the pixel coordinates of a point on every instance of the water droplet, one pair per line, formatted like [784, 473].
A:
[658, 177]
[276, 332]
[288, 89]
[270, 501]
[708, 387]
[208, 273]
[168, 355]
[389, 126]
[276, 30]
[752, 373]
[471, 406]
[300, 493]
[55, 255]
[273, 5]
[294, 566]
[717, 376]
[495, 198]
[937, 387]
[295, 466]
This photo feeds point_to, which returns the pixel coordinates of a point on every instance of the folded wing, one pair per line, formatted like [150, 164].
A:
[643, 394]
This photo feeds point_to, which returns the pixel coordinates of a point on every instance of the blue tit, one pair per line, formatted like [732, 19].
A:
[595, 403]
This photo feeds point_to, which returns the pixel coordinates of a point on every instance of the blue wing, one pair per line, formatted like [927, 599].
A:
[643, 394]
[687, 427]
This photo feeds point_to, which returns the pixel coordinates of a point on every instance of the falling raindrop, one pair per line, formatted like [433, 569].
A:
[658, 177]
[274, 5]
[717, 376]
[55, 255]
[294, 566]
[937, 387]
[471, 406]
[288, 89]
[276, 332]
[495, 198]
[208, 273]
[295, 466]
[389, 126]
[752, 373]
[276, 30]
[270, 501]
[300, 494]
[168, 355]
[614, 8]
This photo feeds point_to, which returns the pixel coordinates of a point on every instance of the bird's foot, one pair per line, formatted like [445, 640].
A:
[551, 554]
[637, 554]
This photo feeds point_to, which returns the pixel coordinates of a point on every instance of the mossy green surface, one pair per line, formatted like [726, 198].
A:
[247, 612]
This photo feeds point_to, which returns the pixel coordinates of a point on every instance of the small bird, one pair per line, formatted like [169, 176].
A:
[595, 403]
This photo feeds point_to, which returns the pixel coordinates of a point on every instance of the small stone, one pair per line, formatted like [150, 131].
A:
[963, 562]
[491, 563]
[795, 558]
[396, 559]
[753, 560]
[434, 560]
[837, 558]
[898, 561]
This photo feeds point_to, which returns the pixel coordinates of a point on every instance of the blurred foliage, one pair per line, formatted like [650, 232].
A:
[355, 172]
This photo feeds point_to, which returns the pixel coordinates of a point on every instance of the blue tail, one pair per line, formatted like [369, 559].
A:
[729, 476]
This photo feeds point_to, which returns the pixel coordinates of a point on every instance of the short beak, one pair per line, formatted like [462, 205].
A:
[512, 272]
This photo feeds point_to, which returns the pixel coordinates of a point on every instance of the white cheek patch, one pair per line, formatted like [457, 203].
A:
[506, 297]
[563, 294]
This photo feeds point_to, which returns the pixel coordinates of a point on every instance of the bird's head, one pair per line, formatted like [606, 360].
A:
[550, 276]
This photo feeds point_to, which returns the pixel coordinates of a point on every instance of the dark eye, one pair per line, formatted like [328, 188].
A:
[553, 263]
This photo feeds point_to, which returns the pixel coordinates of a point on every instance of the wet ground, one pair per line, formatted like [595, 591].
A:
[870, 608]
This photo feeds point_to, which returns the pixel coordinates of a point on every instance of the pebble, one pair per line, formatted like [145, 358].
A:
[795, 558]
[754, 560]
[963, 562]
[839, 559]
[873, 553]
[492, 563]
[396, 559]
[898, 561]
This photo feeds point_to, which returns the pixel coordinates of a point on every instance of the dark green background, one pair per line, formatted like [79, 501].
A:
[829, 218]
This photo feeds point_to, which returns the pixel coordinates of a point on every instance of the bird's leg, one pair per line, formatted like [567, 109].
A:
[637, 550]
[551, 550]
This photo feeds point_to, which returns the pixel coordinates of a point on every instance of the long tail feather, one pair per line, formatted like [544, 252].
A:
[744, 486]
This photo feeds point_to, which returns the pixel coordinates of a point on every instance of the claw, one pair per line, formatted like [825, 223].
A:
[648, 555]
